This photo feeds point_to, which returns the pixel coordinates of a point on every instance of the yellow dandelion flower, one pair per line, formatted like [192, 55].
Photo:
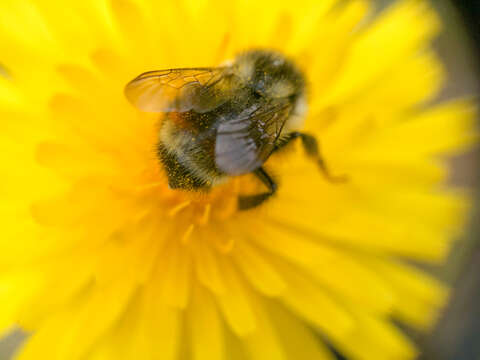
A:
[100, 259]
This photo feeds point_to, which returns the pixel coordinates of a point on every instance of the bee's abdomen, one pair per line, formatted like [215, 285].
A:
[179, 175]
[188, 157]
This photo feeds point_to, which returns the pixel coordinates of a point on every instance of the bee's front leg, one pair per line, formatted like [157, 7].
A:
[251, 201]
[310, 144]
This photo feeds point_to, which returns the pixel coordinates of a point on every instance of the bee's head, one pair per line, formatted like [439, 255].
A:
[270, 75]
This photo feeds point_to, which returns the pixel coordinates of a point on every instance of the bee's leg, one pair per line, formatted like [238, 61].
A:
[310, 144]
[251, 201]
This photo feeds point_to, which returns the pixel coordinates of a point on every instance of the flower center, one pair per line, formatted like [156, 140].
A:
[201, 207]
[192, 211]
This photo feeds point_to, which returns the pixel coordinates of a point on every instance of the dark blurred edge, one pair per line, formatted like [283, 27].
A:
[470, 11]
[457, 336]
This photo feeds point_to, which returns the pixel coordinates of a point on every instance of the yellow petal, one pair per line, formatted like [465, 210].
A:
[308, 21]
[314, 305]
[174, 277]
[450, 126]
[299, 341]
[73, 331]
[207, 332]
[402, 29]
[376, 338]
[147, 330]
[208, 268]
[258, 270]
[16, 289]
[422, 295]
[23, 28]
[337, 270]
[9, 95]
[235, 303]
[264, 343]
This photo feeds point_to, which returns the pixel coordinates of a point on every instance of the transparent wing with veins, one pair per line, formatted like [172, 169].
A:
[198, 89]
[245, 143]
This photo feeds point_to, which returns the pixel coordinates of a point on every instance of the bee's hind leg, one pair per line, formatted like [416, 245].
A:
[310, 144]
[252, 201]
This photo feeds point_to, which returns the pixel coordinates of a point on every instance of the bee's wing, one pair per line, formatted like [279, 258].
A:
[245, 143]
[199, 89]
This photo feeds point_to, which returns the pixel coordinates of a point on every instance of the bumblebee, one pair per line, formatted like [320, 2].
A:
[226, 121]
